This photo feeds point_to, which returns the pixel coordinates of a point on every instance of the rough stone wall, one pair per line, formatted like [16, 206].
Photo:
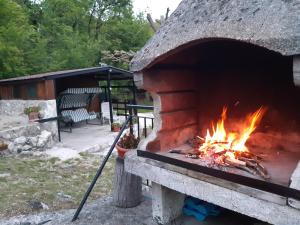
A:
[175, 113]
[20, 133]
[16, 107]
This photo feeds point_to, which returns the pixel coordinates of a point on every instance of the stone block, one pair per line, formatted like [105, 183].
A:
[168, 80]
[167, 204]
[176, 137]
[178, 119]
[177, 101]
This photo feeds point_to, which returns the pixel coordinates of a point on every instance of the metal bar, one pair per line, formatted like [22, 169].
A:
[141, 107]
[98, 174]
[125, 109]
[152, 123]
[147, 117]
[130, 121]
[115, 86]
[236, 178]
[134, 97]
[58, 130]
[138, 124]
[145, 126]
[105, 91]
[109, 98]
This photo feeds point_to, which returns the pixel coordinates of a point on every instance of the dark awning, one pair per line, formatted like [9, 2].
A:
[99, 73]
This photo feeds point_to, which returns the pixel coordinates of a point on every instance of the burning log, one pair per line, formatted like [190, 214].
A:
[234, 162]
[220, 147]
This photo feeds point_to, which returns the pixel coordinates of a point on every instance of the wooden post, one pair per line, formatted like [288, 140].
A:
[127, 191]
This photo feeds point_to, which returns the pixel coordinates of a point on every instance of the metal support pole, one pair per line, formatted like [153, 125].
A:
[145, 126]
[109, 97]
[130, 121]
[58, 129]
[134, 97]
[99, 171]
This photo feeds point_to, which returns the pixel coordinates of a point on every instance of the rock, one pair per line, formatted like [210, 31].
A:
[43, 139]
[26, 148]
[4, 175]
[46, 207]
[32, 141]
[11, 146]
[35, 204]
[20, 140]
[64, 196]
[25, 223]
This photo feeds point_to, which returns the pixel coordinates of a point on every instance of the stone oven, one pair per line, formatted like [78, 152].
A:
[232, 58]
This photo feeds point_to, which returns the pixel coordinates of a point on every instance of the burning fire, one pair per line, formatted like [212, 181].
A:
[218, 140]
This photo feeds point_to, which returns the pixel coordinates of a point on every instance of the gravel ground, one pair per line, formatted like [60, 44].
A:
[102, 212]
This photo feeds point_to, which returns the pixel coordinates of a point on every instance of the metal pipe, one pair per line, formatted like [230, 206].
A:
[86, 195]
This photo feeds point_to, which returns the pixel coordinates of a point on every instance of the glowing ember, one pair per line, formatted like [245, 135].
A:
[220, 141]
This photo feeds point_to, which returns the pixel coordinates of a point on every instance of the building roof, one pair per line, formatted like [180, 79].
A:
[273, 24]
[99, 73]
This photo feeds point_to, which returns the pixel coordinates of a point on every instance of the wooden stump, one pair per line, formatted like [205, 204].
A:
[127, 190]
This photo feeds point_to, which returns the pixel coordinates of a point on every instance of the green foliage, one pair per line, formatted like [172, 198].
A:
[49, 35]
[14, 33]
[32, 109]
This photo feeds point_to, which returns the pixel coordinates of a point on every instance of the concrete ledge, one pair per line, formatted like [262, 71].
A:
[225, 197]
[295, 183]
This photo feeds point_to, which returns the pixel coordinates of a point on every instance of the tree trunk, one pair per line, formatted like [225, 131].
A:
[127, 191]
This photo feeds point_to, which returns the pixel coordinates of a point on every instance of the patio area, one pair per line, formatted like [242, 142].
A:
[84, 138]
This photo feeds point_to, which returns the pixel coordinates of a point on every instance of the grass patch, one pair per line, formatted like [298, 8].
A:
[57, 184]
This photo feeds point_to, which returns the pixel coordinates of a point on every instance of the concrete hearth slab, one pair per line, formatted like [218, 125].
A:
[225, 197]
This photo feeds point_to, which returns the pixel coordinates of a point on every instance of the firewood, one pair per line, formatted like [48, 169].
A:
[262, 171]
[234, 162]
[220, 151]
[249, 155]
[247, 169]
[247, 159]
[264, 175]
[175, 151]
[201, 138]
[220, 142]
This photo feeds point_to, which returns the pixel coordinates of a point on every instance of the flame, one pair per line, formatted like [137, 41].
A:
[229, 142]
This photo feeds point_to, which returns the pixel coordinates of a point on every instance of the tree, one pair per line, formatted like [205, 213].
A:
[49, 35]
[14, 34]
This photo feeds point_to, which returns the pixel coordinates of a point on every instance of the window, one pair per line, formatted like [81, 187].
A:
[17, 92]
[31, 91]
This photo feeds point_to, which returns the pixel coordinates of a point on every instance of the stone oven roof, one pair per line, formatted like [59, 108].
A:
[273, 24]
